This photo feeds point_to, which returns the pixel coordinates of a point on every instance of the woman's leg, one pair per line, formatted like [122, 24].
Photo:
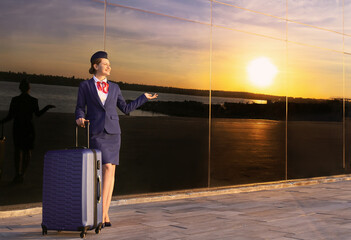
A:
[110, 192]
[107, 179]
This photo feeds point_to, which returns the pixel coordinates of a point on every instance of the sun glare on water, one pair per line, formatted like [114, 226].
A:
[261, 72]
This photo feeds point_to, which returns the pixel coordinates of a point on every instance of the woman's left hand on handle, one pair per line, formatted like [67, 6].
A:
[81, 122]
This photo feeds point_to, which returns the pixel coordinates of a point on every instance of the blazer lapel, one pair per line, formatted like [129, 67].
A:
[110, 92]
[94, 91]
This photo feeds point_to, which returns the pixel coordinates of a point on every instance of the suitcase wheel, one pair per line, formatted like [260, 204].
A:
[82, 234]
[84, 231]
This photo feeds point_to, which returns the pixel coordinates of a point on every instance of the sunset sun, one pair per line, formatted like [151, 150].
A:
[261, 72]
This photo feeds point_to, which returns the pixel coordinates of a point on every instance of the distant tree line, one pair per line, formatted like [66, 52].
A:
[40, 78]
[328, 110]
[73, 81]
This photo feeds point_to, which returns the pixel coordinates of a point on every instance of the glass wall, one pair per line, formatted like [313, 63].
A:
[48, 43]
[164, 147]
[315, 114]
[316, 84]
[247, 127]
[248, 91]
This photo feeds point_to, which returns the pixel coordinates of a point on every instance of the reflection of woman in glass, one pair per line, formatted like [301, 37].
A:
[101, 98]
[21, 110]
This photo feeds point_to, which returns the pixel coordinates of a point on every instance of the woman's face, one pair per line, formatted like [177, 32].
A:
[103, 68]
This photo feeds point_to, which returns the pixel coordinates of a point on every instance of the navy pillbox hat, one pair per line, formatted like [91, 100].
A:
[99, 54]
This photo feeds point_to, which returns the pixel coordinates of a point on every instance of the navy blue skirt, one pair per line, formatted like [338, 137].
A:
[108, 144]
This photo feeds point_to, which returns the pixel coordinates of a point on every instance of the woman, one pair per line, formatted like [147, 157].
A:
[101, 98]
[21, 110]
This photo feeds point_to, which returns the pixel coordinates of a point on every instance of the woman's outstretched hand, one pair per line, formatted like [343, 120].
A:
[150, 96]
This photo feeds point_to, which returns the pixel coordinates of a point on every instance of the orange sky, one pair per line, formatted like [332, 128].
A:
[156, 50]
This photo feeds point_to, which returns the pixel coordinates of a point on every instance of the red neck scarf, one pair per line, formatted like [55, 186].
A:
[102, 86]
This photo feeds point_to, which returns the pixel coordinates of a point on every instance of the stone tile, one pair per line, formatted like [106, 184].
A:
[307, 212]
[161, 223]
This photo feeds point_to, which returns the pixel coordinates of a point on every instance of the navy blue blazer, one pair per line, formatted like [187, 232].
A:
[103, 117]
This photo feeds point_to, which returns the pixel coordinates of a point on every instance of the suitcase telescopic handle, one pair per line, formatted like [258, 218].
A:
[87, 124]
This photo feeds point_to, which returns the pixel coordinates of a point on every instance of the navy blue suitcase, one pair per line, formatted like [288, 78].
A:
[72, 190]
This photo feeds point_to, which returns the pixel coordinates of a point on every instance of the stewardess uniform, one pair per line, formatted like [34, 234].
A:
[101, 111]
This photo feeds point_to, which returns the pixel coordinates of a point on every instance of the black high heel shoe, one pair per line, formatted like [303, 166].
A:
[108, 224]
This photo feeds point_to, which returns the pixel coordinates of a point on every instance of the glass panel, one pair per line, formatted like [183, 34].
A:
[313, 37]
[315, 128]
[50, 38]
[229, 16]
[324, 19]
[248, 109]
[324, 14]
[347, 61]
[272, 7]
[164, 146]
[195, 10]
[347, 17]
[47, 40]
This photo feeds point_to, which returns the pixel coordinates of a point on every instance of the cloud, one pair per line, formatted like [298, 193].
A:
[198, 10]
[158, 31]
[321, 13]
[57, 19]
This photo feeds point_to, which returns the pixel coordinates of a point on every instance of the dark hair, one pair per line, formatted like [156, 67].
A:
[97, 61]
[24, 85]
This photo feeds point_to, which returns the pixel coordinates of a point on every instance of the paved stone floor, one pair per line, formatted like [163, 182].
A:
[321, 211]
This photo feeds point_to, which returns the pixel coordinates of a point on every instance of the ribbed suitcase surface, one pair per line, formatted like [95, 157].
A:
[66, 194]
[62, 190]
